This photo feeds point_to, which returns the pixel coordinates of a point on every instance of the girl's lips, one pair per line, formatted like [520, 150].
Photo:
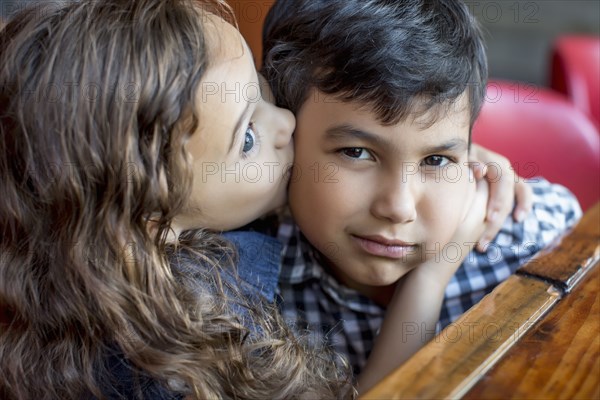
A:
[382, 247]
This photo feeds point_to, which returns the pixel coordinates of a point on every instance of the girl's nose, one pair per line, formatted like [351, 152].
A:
[284, 124]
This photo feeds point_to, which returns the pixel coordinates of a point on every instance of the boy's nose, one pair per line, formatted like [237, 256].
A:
[284, 124]
[396, 203]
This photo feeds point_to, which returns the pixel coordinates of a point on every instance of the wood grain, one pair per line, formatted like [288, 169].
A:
[559, 358]
[452, 362]
[566, 260]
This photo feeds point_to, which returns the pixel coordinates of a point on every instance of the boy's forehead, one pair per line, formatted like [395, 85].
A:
[424, 114]
[457, 112]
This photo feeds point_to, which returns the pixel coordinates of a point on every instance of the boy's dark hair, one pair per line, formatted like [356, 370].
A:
[387, 54]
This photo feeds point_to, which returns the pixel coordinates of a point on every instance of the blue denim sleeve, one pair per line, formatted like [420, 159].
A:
[258, 262]
[127, 382]
[257, 269]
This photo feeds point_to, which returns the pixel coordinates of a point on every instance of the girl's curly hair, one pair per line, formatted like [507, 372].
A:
[97, 99]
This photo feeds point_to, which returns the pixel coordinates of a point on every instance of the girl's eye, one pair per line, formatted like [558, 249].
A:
[249, 139]
[436, 161]
[357, 153]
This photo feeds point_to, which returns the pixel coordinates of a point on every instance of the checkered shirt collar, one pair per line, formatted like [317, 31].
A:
[300, 266]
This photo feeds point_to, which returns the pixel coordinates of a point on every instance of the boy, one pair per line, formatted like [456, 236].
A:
[385, 95]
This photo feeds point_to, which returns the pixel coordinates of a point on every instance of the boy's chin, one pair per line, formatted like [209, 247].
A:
[375, 283]
[380, 291]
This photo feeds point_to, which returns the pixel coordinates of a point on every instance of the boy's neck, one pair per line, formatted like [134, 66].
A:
[382, 295]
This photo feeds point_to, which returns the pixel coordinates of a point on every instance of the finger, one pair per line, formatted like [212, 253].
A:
[474, 223]
[502, 192]
[491, 230]
[501, 178]
[484, 157]
[524, 200]
[479, 169]
[498, 209]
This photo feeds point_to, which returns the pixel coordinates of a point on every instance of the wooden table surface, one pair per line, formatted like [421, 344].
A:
[537, 335]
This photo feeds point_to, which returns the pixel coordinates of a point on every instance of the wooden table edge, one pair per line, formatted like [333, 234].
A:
[588, 230]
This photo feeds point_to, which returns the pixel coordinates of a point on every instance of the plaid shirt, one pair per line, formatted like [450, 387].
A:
[313, 300]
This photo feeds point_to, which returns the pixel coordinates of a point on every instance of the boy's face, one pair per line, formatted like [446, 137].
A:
[377, 201]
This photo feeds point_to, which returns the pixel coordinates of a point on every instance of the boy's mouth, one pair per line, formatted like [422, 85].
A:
[384, 247]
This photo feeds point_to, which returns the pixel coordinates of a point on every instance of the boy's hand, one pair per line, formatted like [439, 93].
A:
[475, 222]
[418, 297]
[504, 186]
[465, 237]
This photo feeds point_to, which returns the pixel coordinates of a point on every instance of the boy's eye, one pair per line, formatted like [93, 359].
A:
[358, 153]
[249, 139]
[436, 161]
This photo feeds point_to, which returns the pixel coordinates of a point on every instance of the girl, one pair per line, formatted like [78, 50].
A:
[124, 128]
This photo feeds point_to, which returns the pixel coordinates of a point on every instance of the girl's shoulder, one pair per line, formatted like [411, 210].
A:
[258, 262]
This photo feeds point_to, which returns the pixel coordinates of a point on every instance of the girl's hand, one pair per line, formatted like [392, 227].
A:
[505, 187]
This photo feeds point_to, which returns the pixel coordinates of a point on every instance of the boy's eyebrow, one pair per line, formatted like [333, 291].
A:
[344, 131]
[452, 144]
[238, 125]
[340, 132]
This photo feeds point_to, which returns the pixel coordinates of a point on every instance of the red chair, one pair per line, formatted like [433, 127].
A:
[576, 72]
[542, 134]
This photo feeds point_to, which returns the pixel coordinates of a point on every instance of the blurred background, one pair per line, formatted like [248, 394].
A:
[518, 33]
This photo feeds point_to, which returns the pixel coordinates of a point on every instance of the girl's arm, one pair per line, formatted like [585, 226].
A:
[413, 313]
[507, 191]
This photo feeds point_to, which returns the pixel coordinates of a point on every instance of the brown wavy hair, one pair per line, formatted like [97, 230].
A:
[97, 100]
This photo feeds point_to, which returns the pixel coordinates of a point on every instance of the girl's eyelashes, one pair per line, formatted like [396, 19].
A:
[251, 141]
